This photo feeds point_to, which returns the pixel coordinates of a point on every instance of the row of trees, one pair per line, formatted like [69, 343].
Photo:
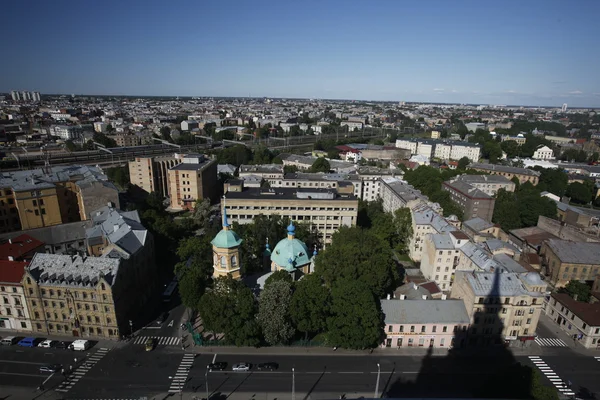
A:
[522, 207]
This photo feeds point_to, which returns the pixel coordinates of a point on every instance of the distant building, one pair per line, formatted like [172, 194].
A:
[151, 174]
[195, 179]
[473, 126]
[435, 134]
[100, 127]
[15, 95]
[272, 173]
[189, 125]
[489, 184]
[472, 201]
[66, 132]
[543, 153]
[522, 174]
[564, 107]
[13, 307]
[127, 140]
[580, 320]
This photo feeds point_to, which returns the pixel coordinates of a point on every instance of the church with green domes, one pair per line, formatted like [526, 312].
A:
[292, 255]
[226, 251]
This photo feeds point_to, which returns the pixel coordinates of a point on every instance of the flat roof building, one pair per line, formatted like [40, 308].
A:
[195, 179]
[472, 201]
[522, 174]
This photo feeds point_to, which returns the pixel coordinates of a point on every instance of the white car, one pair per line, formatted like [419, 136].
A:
[241, 367]
[47, 343]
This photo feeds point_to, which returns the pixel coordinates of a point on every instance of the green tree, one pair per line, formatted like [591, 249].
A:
[70, 146]
[104, 140]
[492, 151]
[511, 148]
[403, 224]
[280, 275]
[580, 291]
[579, 193]
[274, 312]
[310, 305]
[230, 308]
[192, 284]
[262, 155]
[506, 210]
[165, 133]
[290, 169]
[320, 165]
[358, 254]
[356, 321]
[236, 155]
[463, 163]
[552, 180]
[119, 175]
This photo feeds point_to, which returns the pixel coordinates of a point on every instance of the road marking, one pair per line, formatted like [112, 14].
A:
[19, 374]
[21, 362]
[214, 358]
[350, 372]
[171, 323]
[550, 342]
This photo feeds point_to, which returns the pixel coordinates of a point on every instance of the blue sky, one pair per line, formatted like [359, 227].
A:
[500, 52]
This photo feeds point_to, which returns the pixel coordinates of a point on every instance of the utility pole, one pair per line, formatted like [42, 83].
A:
[376, 395]
[131, 327]
[206, 382]
[293, 385]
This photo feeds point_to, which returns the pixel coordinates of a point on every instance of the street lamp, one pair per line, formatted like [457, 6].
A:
[293, 385]
[376, 395]
[206, 382]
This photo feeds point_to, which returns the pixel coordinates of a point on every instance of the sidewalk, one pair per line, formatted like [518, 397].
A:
[574, 345]
[100, 342]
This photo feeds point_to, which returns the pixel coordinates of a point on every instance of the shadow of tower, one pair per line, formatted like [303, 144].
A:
[479, 365]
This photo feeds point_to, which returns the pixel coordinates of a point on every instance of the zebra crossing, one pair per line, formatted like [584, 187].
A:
[160, 340]
[551, 375]
[550, 342]
[80, 370]
[597, 358]
[178, 381]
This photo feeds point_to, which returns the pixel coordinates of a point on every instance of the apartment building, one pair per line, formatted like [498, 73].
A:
[578, 319]
[441, 254]
[424, 323]
[543, 153]
[479, 230]
[472, 152]
[522, 174]
[504, 308]
[444, 150]
[488, 184]
[396, 193]
[472, 201]
[566, 260]
[304, 163]
[51, 196]
[426, 220]
[125, 140]
[371, 181]
[272, 173]
[343, 183]
[95, 295]
[151, 174]
[195, 179]
[66, 132]
[14, 313]
[325, 209]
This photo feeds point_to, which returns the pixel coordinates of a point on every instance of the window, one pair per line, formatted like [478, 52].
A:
[390, 328]
[402, 328]
[412, 328]
[23, 325]
[434, 329]
[97, 320]
[584, 325]
[38, 326]
[445, 329]
[108, 321]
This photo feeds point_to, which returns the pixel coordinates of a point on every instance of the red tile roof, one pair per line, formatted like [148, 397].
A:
[20, 246]
[12, 271]
[588, 313]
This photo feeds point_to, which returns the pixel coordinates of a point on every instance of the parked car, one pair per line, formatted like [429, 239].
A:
[51, 368]
[149, 344]
[9, 340]
[28, 342]
[219, 366]
[242, 367]
[47, 343]
[268, 366]
[80, 345]
[62, 345]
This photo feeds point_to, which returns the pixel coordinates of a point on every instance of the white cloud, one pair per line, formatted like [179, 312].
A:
[511, 91]
[438, 90]
[454, 91]
[576, 92]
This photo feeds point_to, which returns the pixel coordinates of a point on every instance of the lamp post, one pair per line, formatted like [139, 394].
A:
[376, 395]
[131, 327]
[206, 382]
[293, 385]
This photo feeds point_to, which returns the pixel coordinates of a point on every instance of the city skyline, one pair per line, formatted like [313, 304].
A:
[534, 54]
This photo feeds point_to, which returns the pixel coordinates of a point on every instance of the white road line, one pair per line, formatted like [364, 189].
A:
[214, 358]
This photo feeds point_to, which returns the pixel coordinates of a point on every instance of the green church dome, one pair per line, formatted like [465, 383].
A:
[226, 239]
[290, 253]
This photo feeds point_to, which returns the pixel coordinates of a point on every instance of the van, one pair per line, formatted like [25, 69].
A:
[27, 342]
[9, 341]
[80, 345]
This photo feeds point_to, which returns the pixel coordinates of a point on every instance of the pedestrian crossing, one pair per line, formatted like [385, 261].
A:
[597, 358]
[160, 340]
[550, 342]
[178, 381]
[82, 366]
[551, 375]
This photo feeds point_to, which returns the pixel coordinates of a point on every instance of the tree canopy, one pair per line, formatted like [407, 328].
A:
[521, 208]
[358, 254]
[274, 312]
[320, 165]
[579, 291]
[580, 192]
[310, 305]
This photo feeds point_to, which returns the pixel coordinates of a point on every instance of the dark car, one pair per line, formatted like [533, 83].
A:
[51, 368]
[219, 366]
[162, 318]
[269, 366]
[62, 345]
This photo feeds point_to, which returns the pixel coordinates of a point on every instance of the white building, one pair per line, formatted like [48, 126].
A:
[426, 220]
[100, 127]
[443, 151]
[472, 152]
[66, 132]
[189, 125]
[407, 144]
[425, 149]
[543, 153]
[441, 257]
[352, 125]
[16, 96]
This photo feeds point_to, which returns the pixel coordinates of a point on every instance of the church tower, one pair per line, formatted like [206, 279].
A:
[226, 251]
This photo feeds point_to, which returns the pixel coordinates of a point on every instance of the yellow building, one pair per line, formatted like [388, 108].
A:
[195, 179]
[51, 196]
[566, 260]
[226, 251]
[151, 174]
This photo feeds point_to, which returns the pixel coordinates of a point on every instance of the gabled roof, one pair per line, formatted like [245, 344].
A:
[18, 247]
[12, 271]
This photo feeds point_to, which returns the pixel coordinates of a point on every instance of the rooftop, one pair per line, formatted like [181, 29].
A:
[477, 224]
[504, 168]
[424, 215]
[120, 228]
[424, 312]
[192, 166]
[497, 284]
[264, 168]
[493, 179]
[11, 272]
[575, 252]
[36, 179]
[289, 194]
[18, 247]
[467, 190]
[76, 271]
[588, 313]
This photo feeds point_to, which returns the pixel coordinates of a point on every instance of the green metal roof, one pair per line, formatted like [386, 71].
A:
[226, 239]
[290, 253]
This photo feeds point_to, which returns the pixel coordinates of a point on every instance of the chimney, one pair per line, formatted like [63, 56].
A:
[575, 297]
[402, 297]
[424, 297]
[444, 297]
[10, 241]
[11, 258]
[116, 227]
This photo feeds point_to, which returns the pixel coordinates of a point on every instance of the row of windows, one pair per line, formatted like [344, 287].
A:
[290, 208]
[16, 300]
[75, 294]
[9, 312]
[3, 289]
[424, 328]
[496, 300]
[64, 317]
[65, 328]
